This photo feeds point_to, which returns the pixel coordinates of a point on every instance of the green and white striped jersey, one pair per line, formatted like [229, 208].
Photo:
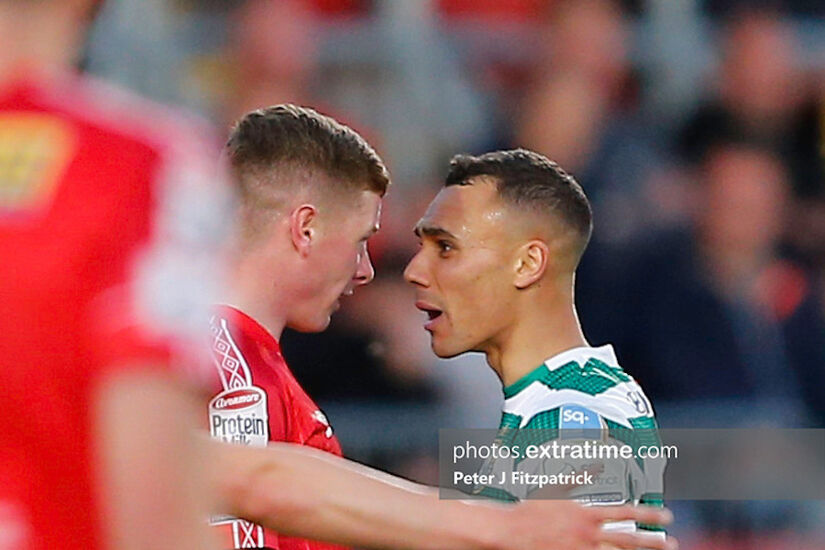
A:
[580, 397]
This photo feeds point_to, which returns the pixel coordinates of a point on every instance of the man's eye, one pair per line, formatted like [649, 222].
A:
[444, 246]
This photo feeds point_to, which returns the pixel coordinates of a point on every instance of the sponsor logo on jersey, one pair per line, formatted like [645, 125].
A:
[240, 416]
[34, 151]
[238, 399]
[577, 422]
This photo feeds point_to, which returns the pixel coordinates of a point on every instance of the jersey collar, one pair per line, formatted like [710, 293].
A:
[248, 325]
[604, 353]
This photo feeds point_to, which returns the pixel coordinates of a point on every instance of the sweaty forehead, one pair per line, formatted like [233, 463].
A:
[467, 211]
[362, 209]
[369, 206]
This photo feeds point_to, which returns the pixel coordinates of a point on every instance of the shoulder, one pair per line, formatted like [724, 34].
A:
[230, 349]
[246, 353]
[140, 156]
[583, 385]
[117, 112]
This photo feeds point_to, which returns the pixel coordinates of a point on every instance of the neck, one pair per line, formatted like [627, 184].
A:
[545, 327]
[247, 290]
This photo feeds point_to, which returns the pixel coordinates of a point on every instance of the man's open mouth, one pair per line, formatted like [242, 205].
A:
[432, 312]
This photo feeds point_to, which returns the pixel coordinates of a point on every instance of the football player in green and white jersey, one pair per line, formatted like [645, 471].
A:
[495, 274]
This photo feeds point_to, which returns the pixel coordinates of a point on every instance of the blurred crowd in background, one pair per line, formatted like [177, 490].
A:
[696, 127]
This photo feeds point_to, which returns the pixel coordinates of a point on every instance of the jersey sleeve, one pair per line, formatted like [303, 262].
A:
[241, 410]
[590, 441]
[579, 434]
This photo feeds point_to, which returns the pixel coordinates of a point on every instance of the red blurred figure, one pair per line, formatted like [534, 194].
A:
[105, 226]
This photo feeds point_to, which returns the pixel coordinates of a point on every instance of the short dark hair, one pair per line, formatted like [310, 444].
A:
[288, 136]
[526, 179]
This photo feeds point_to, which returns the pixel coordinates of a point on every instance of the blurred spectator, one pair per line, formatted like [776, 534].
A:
[273, 55]
[725, 7]
[806, 228]
[761, 96]
[493, 12]
[582, 111]
[146, 57]
[341, 8]
[718, 318]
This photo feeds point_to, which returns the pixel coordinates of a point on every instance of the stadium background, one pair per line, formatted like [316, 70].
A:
[697, 128]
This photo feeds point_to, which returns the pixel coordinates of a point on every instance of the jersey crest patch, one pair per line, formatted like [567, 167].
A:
[34, 151]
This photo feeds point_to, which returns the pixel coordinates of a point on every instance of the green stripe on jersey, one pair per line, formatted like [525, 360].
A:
[510, 421]
[644, 434]
[592, 378]
[653, 499]
[656, 500]
[542, 428]
[648, 527]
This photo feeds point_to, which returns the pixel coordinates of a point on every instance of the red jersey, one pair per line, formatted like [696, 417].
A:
[99, 233]
[259, 401]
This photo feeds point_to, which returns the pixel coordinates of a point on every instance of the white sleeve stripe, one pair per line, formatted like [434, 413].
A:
[229, 361]
[539, 398]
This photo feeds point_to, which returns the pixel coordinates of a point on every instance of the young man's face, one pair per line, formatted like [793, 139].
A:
[339, 261]
[463, 271]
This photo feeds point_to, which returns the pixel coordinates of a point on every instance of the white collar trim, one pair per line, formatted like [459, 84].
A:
[604, 353]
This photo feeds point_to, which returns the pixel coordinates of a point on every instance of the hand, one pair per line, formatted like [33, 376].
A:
[641, 539]
[563, 525]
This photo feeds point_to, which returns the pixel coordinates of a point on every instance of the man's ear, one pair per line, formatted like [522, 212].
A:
[531, 263]
[302, 228]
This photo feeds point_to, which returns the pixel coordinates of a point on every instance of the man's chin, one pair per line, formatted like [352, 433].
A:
[443, 351]
[317, 325]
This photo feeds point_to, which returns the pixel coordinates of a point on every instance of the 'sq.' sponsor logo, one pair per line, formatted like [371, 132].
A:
[578, 417]
[577, 422]
[240, 415]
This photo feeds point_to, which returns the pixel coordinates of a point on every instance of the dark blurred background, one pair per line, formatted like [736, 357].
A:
[697, 128]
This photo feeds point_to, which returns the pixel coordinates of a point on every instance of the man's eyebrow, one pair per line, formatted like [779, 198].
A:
[432, 231]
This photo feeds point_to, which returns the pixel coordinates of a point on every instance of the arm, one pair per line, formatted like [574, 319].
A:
[304, 492]
[151, 481]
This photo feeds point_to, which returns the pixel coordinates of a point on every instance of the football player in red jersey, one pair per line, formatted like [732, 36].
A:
[310, 191]
[310, 194]
[103, 249]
